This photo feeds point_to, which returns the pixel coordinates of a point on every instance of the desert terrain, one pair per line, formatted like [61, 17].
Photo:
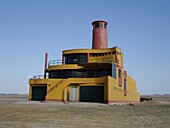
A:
[17, 112]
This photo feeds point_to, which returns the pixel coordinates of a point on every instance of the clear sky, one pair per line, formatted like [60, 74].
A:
[30, 28]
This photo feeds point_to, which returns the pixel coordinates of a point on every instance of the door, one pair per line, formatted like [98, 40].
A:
[92, 94]
[73, 93]
[39, 93]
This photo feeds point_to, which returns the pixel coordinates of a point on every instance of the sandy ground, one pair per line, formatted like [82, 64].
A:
[17, 112]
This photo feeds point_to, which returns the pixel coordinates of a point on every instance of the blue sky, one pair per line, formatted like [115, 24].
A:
[30, 28]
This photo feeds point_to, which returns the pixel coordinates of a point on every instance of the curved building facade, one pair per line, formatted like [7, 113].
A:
[86, 75]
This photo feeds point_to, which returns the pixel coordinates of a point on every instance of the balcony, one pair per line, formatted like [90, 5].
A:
[38, 80]
[55, 62]
[38, 77]
[80, 61]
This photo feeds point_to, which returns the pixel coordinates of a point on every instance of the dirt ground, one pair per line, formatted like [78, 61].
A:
[17, 112]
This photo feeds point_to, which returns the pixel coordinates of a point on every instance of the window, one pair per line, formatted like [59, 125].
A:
[83, 74]
[58, 74]
[113, 70]
[79, 73]
[92, 54]
[75, 58]
[120, 73]
[113, 53]
[98, 25]
[101, 73]
[104, 72]
[90, 74]
[125, 85]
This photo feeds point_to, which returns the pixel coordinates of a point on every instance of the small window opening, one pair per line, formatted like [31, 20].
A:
[98, 25]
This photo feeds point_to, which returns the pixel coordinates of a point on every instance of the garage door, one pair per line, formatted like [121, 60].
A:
[92, 93]
[39, 93]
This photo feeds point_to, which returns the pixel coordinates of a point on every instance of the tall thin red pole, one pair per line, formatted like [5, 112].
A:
[62, 59]
[45, 67]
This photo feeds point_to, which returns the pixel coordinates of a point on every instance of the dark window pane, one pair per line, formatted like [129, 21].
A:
[113, 70]
[58, 74]
[104, 72]
[79, 73]
[98, 25]
[83, 74]
[90, 74]
[109, 72]
[125, 85]
[75, 58]
[120, 74]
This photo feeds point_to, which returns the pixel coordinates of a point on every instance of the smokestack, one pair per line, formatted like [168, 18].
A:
[99, 38]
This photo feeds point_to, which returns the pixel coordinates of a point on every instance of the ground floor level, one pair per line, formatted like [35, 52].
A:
[102, 90]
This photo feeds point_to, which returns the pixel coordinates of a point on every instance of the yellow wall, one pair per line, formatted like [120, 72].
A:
[65, 66]
[112, 91]
[132, 89]
[116, 93]
[57, 92]
[72, 51]
[107, 54]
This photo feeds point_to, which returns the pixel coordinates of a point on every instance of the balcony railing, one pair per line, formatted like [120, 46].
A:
[55, 62]
[59, 62]
[39, 77]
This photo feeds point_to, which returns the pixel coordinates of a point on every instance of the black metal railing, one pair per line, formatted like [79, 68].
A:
[39, 77]
[59, 62]
[55, 62]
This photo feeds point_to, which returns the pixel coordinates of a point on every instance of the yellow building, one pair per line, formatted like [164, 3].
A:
[86, 75]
